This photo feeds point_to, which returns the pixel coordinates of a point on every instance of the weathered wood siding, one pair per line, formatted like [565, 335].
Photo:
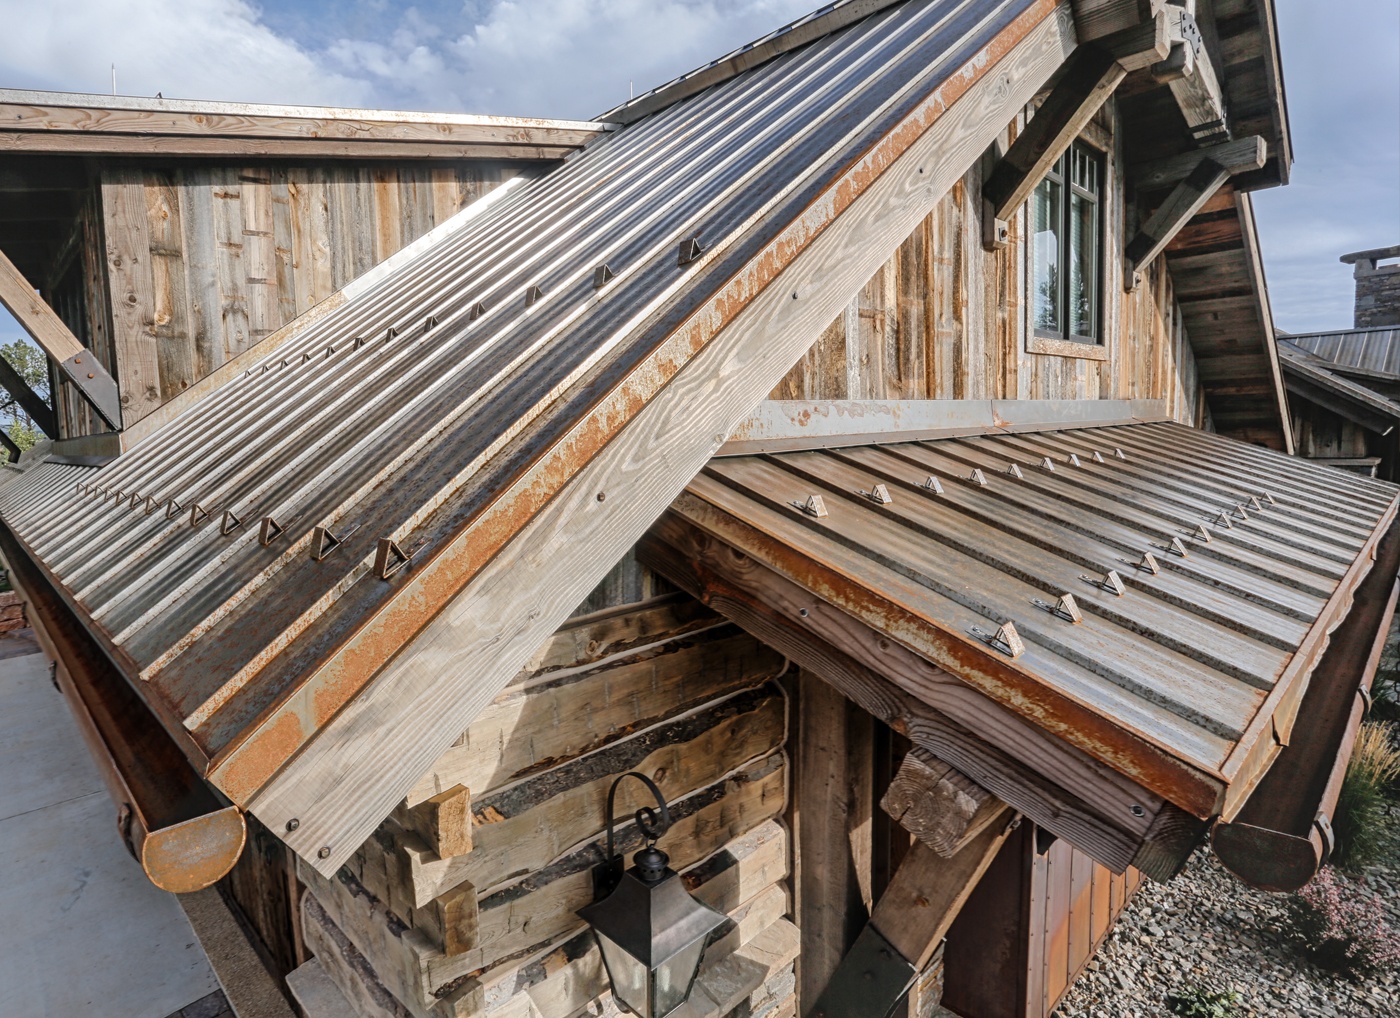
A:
[945, 319]
[204, 261]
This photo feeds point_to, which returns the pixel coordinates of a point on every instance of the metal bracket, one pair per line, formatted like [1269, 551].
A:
[690, 251]
[977, 477]
[1270, 498]
[602, 275]
[814, 506]
[1015, 471]
[269, 530]
[1323, 823]
[1178, 547]
[1005, 639]
[1202, 533]
[879, 494]
[1066, 608]
[478, 309]
[1224, 520]
[1118, 454]
[1254, 501]
[1048, 464]
[389, 558]
[533, 295]
[229, 523]
[1098, 456]
[1240, 509]
[1111, 582]
[934, 485]
[1149, 562]
[323, 542]
[151, 504]
[430, 324]
[173, 509]
[198, 514]
[96, 386]
[1073, 460]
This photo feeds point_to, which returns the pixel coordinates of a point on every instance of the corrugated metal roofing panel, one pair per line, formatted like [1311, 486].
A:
[406, 413]
[1191, 661]
[1374, 349]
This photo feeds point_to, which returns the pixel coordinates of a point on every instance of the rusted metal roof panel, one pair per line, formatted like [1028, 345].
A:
[1234, 564]
[241, 545]
[1375, 349]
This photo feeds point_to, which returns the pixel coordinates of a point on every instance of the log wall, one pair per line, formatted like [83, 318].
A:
[660, 686]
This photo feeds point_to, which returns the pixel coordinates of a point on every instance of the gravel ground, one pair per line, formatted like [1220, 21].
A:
[1207, 929]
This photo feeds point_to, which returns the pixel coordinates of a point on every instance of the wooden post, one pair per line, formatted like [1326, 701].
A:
[834, 804]
[75, 362]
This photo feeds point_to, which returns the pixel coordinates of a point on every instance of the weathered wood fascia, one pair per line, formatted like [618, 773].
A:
[795, 425]
[75, 362]
[487, 622]
[1282, 834]
[1094, 72]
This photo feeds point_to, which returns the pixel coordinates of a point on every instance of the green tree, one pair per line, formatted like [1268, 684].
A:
[31, 364]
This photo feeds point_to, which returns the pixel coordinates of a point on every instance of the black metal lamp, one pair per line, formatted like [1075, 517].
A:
[652, 933]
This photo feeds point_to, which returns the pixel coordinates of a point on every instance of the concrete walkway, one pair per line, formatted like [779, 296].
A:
[83, 934]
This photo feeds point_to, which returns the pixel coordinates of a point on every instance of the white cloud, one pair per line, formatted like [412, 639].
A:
[204, 49]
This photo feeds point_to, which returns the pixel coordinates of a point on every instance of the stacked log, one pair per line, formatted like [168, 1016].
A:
[463, 902]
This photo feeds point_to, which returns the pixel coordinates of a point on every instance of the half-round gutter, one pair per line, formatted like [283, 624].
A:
[1282, 835]
[183, 835]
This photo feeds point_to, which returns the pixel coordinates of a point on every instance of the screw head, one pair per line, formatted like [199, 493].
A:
[1137, 810]
[293, 824]
[325, 853]
[602, 496]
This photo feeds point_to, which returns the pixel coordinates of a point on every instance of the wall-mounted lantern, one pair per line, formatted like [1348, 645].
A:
[651, 931]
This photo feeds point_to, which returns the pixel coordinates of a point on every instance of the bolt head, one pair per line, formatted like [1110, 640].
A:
[325, 853]
[602, 496]
[293, 824]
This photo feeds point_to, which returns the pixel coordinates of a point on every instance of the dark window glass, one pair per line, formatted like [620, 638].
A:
[1066, 224]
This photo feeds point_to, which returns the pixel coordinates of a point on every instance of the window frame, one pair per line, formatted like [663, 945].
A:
[1044, 341]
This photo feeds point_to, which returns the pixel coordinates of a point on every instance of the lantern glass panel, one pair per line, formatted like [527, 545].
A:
[674, 976]
[628, 976]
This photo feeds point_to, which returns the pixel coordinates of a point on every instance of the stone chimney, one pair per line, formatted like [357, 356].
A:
[1377, 287]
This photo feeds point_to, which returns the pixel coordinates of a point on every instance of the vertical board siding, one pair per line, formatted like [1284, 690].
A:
[202, 262]
[945, 319]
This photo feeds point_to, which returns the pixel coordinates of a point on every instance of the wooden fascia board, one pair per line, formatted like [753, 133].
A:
[182, 147]
[1315, 387]
[499, 589]
[36, 114]
[1249, 232]
[794, 425]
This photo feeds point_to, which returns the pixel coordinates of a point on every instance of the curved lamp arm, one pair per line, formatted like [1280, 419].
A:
[651, 823]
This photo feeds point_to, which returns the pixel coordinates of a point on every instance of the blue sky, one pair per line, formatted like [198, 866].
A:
[575, 58]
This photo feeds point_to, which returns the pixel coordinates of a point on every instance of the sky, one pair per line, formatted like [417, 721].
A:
[576, 58]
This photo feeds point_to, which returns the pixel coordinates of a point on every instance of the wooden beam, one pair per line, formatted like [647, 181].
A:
[908, 925]
[443, 820]
[75, 362]
[39, 412]
[1239, 156]
[1089, 79]
[1184, 202]
[12, 451]
[1197, 88]
[1094, 19]
[937, 804]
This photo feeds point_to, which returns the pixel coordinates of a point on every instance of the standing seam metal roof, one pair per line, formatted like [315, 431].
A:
[1190, 664]
[403, 414]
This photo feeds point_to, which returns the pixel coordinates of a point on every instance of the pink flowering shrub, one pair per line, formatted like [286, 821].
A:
[1342, 926]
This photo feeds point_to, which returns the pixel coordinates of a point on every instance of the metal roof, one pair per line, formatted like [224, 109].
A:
[1191, 669]
[1309, 377]
[1374, 349]
[443, 407]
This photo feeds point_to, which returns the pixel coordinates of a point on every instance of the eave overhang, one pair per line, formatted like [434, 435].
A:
[1185, 686]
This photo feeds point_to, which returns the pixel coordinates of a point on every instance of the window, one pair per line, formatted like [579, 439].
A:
[1066, 226]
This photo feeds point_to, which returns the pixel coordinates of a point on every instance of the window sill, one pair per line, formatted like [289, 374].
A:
[1066, 348]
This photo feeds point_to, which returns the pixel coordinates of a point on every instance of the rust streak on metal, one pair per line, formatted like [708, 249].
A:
[446, 571]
